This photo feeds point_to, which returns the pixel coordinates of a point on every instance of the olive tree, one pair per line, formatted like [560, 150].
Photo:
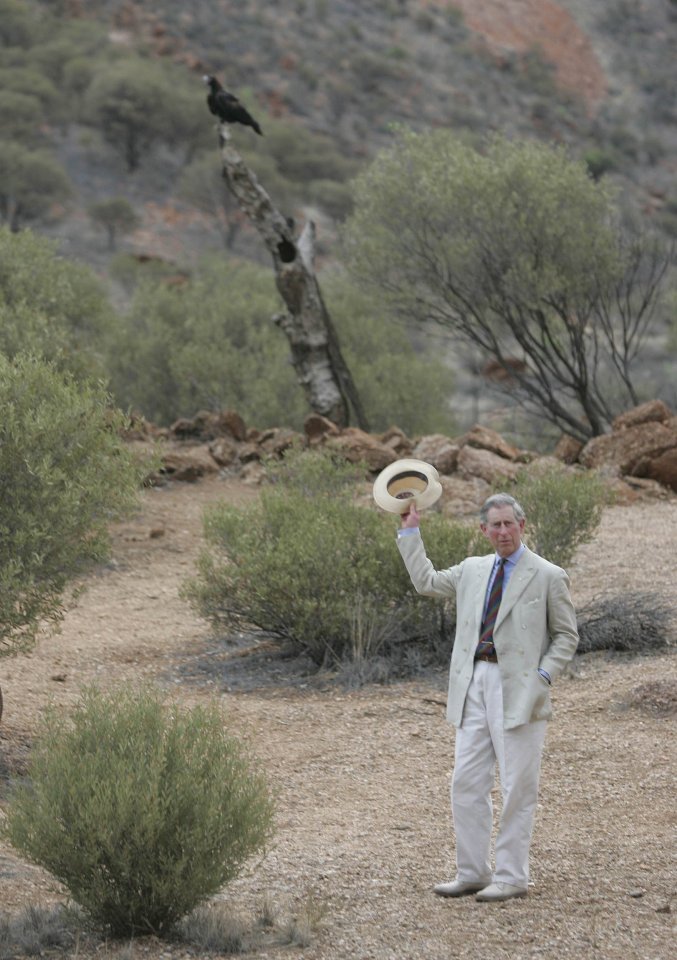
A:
[517, 251]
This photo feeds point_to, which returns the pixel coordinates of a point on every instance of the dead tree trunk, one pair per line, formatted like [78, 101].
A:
[316, 354]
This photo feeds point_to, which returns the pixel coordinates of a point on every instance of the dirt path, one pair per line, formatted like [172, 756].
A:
[362, 778]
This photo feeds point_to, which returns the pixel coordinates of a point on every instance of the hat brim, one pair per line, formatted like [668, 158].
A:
[405, 482]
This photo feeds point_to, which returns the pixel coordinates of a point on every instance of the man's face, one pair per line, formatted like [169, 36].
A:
[504, 532]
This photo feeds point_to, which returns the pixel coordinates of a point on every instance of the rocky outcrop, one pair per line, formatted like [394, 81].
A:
[638, 459]
[642, 443]
[358, 446]
[438, 450]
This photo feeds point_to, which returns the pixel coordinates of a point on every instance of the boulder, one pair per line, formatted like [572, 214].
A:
[486, 465]
[652, 410]
[664, 469]
[463, 497]
[248, 452]
[224, 451]
[187, 463]
[437, 450]
[356, 445]
[398, 441]
[631, 449]
[628, 490]
[275, 441]
[229, 423]
[253, 473]
[206, 425]
[567, 449]
[484, 438]
[317, 428]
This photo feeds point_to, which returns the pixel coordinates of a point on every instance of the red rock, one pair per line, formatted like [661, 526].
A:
[484, 438]
[437, 450]
[644, 413]
[356, 445]
[567, 449]
[187, 463]
[317, 427]
[664, 469]
[629, 449]
[486, 465]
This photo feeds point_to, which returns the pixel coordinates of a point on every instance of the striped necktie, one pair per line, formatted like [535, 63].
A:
[485, 647]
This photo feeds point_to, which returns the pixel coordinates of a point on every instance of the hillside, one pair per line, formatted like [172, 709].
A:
[596, 77]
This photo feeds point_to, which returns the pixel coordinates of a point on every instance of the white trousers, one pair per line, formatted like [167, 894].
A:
[481, 741]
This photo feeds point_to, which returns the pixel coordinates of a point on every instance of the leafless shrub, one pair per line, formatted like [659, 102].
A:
[636, 622]
[217, 927]
[35, 930]
[658, 698]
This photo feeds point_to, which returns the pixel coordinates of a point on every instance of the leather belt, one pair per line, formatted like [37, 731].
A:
[487, 657]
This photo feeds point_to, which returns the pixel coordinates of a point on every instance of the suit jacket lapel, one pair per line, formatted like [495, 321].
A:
[521, 575]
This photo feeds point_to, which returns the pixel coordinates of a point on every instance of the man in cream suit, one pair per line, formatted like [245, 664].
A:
[515, 633]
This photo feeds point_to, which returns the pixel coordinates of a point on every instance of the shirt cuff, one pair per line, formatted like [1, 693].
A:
[545, 675]
[405, 531]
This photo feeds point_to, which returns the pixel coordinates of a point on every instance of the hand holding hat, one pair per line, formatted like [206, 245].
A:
[404, 482]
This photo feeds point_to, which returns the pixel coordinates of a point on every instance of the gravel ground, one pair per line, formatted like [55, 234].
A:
[362, 777]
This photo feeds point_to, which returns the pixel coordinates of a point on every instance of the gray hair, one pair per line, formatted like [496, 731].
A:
[501, 500]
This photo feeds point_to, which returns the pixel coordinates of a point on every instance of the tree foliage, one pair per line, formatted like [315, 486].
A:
[19, 26]
[21, 115]
[126, 103]
[210, 343]
[136, 103]
[33, 186]
[51, 307]
[65, 475]
[398, 381]
[517, 251]
[116, 215]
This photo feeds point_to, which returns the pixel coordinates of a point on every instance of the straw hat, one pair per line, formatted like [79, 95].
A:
[404, 480]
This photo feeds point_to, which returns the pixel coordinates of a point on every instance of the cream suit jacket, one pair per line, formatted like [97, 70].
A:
[535, 627]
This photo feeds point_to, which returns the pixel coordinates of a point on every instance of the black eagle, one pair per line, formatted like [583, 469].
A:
[227, 107]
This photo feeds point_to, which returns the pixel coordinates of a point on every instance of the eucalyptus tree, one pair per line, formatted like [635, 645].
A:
[515, 250]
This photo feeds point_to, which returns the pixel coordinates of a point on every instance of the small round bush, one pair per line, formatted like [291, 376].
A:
[140, 809]
[65, 475]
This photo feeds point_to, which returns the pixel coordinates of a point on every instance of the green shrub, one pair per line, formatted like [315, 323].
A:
[563, 509]
[65, 474]
[50, 307]
[141, 810]
[309, 565]
[202, 345]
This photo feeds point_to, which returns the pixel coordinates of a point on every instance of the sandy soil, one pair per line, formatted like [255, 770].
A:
[362, 777]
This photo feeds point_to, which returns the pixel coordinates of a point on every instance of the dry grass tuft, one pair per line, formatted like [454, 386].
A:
[658, 698]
